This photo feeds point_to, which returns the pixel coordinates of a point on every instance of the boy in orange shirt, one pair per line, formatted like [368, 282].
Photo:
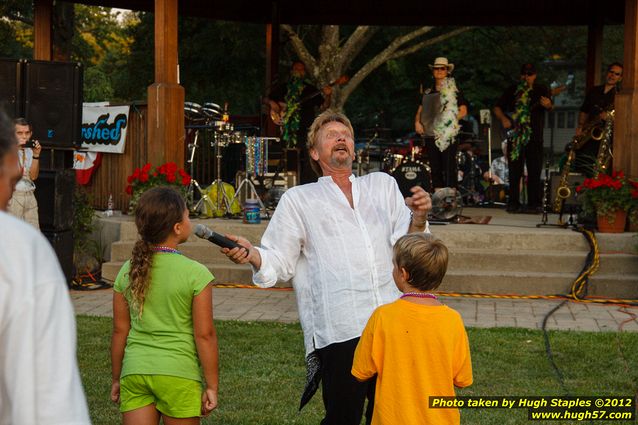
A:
[416, 346]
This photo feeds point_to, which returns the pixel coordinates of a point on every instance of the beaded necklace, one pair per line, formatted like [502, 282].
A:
[419, 295]
[167, 249]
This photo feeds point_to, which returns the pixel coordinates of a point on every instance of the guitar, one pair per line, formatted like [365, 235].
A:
[278, 109]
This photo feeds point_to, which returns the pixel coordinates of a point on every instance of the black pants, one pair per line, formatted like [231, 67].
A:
[343, 395]
[532, 156]
[443, 164]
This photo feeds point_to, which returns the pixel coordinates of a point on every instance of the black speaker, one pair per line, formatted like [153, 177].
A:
[54, 193]
[62, 243]
[11, 99]
[573, 181]
[56, 159]
[53, 102]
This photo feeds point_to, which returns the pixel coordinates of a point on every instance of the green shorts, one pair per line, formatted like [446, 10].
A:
[172, 396]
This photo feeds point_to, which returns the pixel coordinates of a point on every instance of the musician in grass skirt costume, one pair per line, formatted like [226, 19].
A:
[437, 121]
[526, 103]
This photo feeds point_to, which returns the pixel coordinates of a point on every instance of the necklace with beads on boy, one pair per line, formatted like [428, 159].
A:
[419, 295]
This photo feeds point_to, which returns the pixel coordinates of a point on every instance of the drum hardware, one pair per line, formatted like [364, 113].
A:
[222, 138]
[256, 166]
[447, 204]
[190, 193]
[212, 111]
[410, 173]
[468, 186]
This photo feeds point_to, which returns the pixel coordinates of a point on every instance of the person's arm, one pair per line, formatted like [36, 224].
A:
[463, 376]
[121, 328]
[420, 203]
[545, 99]
[207, 350]
[500, 115]
[246, 255]
[418, 127]
[363, 364]
[582, 119]
[34, 171]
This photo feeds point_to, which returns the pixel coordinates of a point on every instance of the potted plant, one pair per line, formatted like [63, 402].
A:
[168, 174]
[610, 197]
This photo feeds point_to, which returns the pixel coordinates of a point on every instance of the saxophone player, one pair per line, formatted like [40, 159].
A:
[599, 100]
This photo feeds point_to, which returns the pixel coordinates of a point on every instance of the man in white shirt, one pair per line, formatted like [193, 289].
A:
[39, 378]
[334, 239]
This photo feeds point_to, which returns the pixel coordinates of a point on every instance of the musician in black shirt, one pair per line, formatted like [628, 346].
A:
[293, 106]
[598, 101]
[521, 110]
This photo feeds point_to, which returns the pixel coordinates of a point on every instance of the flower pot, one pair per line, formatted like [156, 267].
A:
[618, 226]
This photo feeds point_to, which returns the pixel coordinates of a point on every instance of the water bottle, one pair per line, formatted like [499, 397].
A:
[109, 207]
[252, 213]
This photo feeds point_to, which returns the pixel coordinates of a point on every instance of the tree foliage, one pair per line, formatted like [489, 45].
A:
[224, 61]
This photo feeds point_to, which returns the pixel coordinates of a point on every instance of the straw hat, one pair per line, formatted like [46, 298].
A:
[442, 62]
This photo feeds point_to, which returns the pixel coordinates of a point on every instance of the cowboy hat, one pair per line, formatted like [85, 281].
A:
[442, 62]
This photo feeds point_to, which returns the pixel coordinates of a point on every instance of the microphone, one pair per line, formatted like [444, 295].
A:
[205, 233]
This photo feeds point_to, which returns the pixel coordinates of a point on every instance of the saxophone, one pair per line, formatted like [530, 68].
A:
[594, 129]
[604, 150]
[563, 191]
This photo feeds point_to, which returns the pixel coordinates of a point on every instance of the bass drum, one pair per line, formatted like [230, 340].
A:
[412, 173]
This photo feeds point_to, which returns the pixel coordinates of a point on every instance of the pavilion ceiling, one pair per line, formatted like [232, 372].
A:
[397, 12]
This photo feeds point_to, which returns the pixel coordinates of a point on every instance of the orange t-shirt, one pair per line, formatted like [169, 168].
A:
[416, 351]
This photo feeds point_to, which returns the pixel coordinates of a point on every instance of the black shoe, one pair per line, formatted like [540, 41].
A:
[531, 209]
[513, 208]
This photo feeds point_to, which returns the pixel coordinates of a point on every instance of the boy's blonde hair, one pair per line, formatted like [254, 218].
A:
[424, 257]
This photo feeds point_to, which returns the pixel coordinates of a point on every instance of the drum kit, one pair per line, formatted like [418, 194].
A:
[410, 167]
[220, 198]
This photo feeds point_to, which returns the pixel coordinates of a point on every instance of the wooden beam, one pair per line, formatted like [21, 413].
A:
[594, 53]
[165, 95]
[272, 68]
[42, 13]
[626, 122]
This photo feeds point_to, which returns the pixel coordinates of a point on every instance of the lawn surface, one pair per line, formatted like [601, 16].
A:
[262, 372]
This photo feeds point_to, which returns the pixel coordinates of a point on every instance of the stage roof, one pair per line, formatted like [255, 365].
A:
[397, 12]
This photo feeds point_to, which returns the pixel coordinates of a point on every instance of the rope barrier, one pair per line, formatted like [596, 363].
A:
[578, 291]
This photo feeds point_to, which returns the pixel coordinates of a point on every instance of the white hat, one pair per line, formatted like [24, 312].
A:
[442, 62]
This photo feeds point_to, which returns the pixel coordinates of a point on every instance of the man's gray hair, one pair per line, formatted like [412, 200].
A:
[8, 139]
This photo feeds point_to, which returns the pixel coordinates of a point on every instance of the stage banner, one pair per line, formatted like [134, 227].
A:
[104, 128]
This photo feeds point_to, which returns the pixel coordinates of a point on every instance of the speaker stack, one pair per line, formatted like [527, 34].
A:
[49, 96]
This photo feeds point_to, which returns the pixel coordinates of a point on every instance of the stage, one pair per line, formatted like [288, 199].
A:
[510, 255]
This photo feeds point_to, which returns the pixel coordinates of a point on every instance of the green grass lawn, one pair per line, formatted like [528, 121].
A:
[262, 371]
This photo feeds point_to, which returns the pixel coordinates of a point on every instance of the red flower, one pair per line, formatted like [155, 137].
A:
[129, 189]
[170, 177]
[144, 177]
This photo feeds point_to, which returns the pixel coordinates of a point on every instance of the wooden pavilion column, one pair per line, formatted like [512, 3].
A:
[42, 46]
[272, 66]
[165, 96]
[626, 122]
[594, 53]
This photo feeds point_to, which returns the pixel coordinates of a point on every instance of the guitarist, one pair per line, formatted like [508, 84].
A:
[294, 106]
[527, 102]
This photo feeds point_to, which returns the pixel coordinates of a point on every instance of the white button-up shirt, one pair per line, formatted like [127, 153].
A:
[340, 258]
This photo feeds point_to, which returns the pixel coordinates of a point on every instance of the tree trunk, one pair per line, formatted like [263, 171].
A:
[334, 59]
